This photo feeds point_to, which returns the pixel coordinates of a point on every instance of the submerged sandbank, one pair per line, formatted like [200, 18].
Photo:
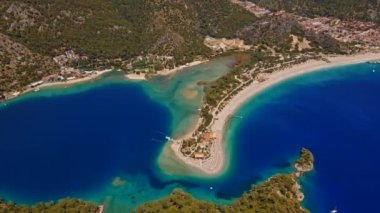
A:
[216, 164]
[164, 72]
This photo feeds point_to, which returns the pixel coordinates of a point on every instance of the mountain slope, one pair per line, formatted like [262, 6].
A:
[120, 28]
[366, 10]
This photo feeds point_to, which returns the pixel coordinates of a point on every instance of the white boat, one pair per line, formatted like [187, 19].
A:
[334, 210]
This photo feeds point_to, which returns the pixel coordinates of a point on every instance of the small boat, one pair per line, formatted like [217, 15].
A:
[373, 70]
[37, 89]
[334, 210]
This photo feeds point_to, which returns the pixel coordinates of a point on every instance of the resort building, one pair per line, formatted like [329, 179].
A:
[261, 77]
[71, 78]
[37, 83]
[199, 155]
[209, 136]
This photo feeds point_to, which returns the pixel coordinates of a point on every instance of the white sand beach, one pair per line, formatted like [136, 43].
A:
[164, 72]
[215, 164]
[174, 70]
[134, 76]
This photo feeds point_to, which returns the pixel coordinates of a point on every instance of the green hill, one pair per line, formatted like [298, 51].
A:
[367, 10]
[108, 33]
[120, 28]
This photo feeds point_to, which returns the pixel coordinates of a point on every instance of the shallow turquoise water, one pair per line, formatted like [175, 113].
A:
[76, 141]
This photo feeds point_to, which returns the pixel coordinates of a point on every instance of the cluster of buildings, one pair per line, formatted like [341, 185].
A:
[48, 79]
[150, 63]
[261, 77]
[67, 73]
[366, 34]
[253, 8]
[199, 149]
[69, 56]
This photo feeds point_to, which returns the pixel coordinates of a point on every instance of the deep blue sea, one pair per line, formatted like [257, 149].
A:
[335, 114]
[66, 145]
[102, 144]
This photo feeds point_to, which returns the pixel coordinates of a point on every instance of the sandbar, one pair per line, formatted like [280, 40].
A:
[215, 164]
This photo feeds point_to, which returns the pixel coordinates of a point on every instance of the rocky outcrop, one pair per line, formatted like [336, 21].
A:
[21, 16]
[305, 163]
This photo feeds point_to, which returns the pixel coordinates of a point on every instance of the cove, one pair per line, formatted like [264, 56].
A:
[99, 140]
[94, 140]
[67, 145]
[333, 113]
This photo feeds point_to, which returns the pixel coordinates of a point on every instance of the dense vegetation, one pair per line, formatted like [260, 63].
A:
[113, 33]
[110, 33]
[121, 28]
[306, 161]
[275, 31]
[367, 10]
[63, 206]
[216, 90]
[278, 194]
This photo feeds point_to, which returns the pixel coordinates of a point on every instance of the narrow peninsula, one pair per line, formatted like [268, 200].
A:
[204, 148]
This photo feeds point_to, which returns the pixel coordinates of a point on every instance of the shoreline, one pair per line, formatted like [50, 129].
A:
[96, 74]
[93, 76]
[136, 77]
[216, 164]
[163, 72]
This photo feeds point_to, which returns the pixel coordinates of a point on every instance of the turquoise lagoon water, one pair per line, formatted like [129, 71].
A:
[76, 141]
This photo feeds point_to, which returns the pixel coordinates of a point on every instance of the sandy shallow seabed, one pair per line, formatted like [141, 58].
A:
[216, 164]
[164, 72]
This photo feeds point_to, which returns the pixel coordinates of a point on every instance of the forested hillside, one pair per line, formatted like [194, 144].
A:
[276, 195]
[107, 33]
[55, 40]
[366, 10]
[64, 205]
[120, 28]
